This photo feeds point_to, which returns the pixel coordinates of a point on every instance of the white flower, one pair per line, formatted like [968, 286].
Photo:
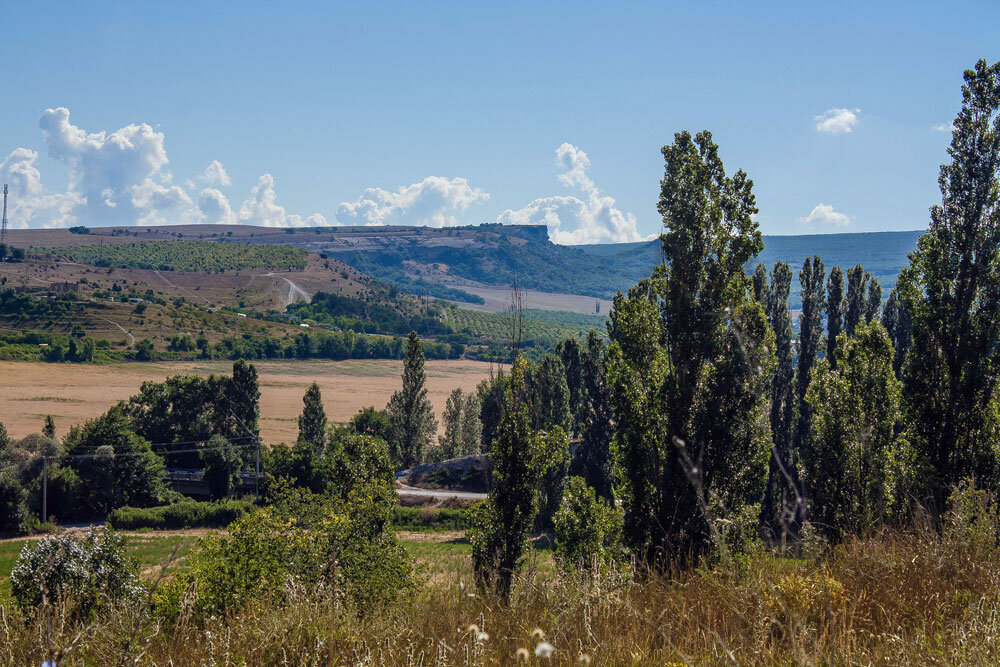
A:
[544, 650]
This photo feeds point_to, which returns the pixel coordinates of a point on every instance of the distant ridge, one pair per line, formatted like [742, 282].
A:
[440, 261]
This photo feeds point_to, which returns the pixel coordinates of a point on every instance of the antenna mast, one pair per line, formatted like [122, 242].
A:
[3, 228]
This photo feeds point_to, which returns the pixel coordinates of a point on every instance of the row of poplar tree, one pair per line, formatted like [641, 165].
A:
[711, 424]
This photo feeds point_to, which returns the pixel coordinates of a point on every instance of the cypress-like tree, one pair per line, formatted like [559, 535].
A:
[450, 443]
[472, 428]
[594, 454]
[811, 279]
[952, 290]
[854, 436]
[570, 352]
[411, 417]
[4, 439]
[898, 323]
[688, 366]
[873, 305]
[834, 312]
[520, 456]
[857, 286]
[760, 291]
[312, 421]
[549, 394]
[779, 504]
[49, 427]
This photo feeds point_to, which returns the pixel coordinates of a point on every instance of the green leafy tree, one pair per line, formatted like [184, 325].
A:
[502, 523]
[4, 439]
[221, 463]
[144, 350]
[116, 467]
[854, 434]
[688, 366]
[370, 421]
[14, 513]
[834, 312]
[857, 286]
[897, 321]
[411, 417]
[952, 290]
[312, 421]
[781, 495]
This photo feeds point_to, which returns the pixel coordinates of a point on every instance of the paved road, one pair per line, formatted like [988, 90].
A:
[441, 494]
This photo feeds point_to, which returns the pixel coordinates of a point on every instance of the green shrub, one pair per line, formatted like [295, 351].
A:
[83, 573]
[427, 518]
[588, 530]
[305, 540]
[184, 514]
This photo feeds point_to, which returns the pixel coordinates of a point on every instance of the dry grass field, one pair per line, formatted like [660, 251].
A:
[74, 393]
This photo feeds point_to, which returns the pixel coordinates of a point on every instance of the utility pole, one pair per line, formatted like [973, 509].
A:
[45, 489]
[3, 225]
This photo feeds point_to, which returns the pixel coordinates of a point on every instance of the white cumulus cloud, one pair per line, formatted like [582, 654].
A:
[837, 121]
[434, 201]
[28, 204]
[824, 214]
[214, 208]
[571, 220]
[945, 127]
[216, 174]
[262, 209]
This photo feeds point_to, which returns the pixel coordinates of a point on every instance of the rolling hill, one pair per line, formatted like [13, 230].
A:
[454, 262]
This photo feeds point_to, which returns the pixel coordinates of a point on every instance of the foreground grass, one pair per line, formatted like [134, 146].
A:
[899, 598]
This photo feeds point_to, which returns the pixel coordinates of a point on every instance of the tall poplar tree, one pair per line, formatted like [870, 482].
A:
[834, 312]
[874, 303]
[811, 279]
[854, 434]
[898, 323]
[595, 448]
[952, 290]
[312, 421]
[688, 367]
[520, 456]
[857, 286]
[781, 491]
[411, 417]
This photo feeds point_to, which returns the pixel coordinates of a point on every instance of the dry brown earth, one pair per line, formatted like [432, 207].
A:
[74, 393]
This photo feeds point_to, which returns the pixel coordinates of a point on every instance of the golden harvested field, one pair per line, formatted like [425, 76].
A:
[74, 393]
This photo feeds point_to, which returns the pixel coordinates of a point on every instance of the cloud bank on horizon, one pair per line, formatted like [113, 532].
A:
[121, 178]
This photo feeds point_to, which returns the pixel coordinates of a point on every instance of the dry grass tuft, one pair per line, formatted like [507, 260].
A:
[895, 598]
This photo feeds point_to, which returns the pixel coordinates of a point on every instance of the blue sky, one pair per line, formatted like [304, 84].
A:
[460, 113]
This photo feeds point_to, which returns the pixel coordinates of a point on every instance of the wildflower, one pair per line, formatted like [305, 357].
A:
[538, 633]
[522, 654]
[482, 636]
[473, 629]
[544, 650]
[584, 659]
